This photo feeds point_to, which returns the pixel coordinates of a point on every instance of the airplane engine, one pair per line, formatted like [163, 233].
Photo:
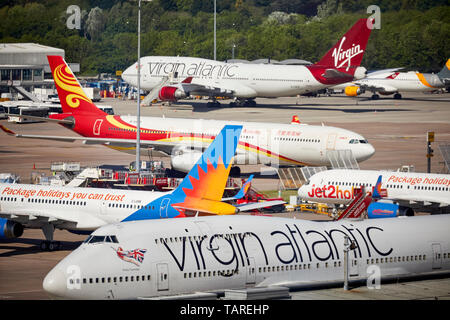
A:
[185, 160]
[171, 94]
[352, 91]
[10, 229]
[387, 210]
[360, 73]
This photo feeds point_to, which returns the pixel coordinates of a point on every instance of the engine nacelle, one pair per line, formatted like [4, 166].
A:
[10, 229]
[387, 210]
[360, 73]
[184, 161]
[352, 91]
[171, 94]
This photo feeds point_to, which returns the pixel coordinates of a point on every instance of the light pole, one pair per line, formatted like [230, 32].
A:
[138, 120]
[214, 30]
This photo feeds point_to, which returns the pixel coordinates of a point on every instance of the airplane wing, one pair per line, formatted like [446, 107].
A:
[103, 141]
[214, 90]
[382, 73]
[64, 121]
[375, 86]
[421, 202]
[36, 218]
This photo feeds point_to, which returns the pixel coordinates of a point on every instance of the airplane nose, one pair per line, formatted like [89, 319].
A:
[302, 192]
[367, 151]
[130, 75]
[55, 283]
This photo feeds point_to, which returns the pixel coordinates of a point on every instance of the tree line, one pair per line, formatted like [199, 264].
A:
[414, 34]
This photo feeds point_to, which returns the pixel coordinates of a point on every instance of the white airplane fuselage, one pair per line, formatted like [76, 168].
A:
[242, 80]
[264, 143]
[337, 186]
[180, 256]
[398, 82]
[80, 209]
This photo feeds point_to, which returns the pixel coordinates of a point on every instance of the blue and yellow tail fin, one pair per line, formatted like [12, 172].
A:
[208, 177]
[377, 193]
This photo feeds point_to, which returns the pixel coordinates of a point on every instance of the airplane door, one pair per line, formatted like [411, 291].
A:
[331, 141]
[164, 207]
[251, 272]
[437, 256]
[163, 276]
[353, 267]
[97, 126]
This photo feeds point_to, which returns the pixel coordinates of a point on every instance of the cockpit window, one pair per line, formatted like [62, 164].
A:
[97, 239]
[363, 141]
[353, 141]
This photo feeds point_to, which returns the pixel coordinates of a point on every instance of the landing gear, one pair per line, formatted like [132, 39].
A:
[375, 97]
[48, 244]
[213, 104]
[243, 103]
[397, 96]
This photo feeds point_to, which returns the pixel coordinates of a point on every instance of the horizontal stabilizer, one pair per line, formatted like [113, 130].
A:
[259, 205]
[335, 74]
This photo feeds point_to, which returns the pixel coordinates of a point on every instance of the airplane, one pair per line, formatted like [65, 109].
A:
[86, 209]
[405, 192]
[173, 78]
[145, 259]
[387, 83]
[185, 139]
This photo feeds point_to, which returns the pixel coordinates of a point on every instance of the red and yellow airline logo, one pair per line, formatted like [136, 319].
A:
[69, 86]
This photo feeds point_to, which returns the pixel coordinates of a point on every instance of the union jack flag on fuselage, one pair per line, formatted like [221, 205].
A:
[135, 256]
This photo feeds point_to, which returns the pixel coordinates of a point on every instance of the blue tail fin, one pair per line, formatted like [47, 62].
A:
[377, 189]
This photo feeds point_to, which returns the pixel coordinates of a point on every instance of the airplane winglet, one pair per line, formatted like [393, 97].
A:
[8, 131]
[377, 191]
[295, 119]
[242, 192]
[187, 80]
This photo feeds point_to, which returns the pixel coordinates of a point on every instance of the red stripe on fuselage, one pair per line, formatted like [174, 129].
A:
[84, 126]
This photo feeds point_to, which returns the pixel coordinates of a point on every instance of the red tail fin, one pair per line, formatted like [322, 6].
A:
[71, 95]
[349, 50]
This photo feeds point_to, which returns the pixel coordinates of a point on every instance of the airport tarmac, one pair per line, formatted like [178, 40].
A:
[396, 128]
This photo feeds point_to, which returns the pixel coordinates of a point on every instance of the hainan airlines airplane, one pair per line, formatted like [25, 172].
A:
[168, 258]
[86, 209]
[406, 191]
[396, 82]
[185, 139]
[173, 78]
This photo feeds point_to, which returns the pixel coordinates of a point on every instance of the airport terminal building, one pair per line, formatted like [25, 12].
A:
[24, 66]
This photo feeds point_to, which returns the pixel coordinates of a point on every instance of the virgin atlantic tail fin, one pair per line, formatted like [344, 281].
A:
[349, 50]
[72, 97]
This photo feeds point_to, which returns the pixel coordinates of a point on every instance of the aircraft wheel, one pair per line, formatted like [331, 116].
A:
[235, 172]
[397, 96]
[375, 97]
[44, 245]
[233, 104]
